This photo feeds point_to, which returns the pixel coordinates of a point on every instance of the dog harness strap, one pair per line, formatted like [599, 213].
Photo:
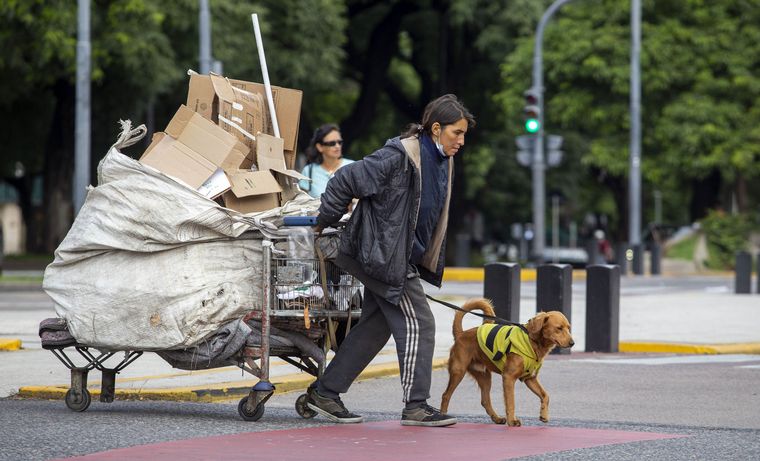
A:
[492, 337]
[499, 354]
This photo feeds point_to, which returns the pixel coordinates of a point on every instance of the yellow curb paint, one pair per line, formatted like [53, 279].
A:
[476, 274]
[214, 393]
[10, 344]
[680, 348]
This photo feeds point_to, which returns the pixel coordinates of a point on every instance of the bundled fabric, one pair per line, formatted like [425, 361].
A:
[150, 264]
[216, 351]
[55, 334]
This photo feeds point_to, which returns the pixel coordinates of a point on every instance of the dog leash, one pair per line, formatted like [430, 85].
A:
[498, 320]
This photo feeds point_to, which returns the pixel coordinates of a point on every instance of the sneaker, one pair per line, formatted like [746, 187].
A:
[332, 409]
[426, 415]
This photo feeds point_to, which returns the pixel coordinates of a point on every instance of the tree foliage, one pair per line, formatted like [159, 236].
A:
[699, 65]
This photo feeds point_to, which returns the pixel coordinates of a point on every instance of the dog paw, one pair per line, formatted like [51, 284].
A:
[544, 419]
[499, 420]
[515, 423]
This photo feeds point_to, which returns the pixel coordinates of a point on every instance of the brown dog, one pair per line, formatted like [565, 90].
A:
[514, 352]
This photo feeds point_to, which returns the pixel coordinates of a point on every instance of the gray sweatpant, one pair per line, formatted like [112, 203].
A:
[413, 328]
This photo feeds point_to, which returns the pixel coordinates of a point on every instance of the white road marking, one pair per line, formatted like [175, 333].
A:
[678, 359]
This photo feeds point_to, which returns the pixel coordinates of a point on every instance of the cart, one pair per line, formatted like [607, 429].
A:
[310, 293]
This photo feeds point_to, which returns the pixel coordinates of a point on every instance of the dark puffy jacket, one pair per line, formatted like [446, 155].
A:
[376, 245]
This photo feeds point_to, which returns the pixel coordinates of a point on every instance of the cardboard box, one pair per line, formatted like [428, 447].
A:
[252, 191]
[204, 97]
[192, 149]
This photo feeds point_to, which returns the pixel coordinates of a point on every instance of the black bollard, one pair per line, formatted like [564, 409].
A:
[638, 259]
[501, 284]
[655, 258]
[743, 284]
[621, 259]
[602, 308]
[554, 291]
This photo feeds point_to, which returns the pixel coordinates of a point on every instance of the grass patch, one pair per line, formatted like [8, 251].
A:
[21, 279]
[683, 249]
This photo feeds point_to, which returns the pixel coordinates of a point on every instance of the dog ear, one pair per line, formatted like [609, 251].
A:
[535, 324]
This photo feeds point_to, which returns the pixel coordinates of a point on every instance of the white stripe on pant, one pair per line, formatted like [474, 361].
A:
[413, 328]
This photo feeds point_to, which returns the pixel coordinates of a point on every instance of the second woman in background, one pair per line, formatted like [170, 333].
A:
[323, 156]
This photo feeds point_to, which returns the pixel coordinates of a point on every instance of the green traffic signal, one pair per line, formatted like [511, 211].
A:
[532, 125]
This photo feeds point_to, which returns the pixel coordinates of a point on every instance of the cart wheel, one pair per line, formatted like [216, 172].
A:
[78, 405]
[257, 413]
[302, 409]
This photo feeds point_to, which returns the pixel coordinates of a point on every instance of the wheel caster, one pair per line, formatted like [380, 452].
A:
[302, 409]
[76, 404]
[255, 415]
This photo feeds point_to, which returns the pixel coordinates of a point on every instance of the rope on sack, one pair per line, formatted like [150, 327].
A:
[128, 136]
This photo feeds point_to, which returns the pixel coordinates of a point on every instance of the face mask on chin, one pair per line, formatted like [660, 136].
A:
[439, 146]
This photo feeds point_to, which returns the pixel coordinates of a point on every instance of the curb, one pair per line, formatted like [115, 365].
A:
[214, 393]
[477, 274]
[10, 344]
[683, 348]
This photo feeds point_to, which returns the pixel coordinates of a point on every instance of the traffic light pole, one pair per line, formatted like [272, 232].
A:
[538, 164]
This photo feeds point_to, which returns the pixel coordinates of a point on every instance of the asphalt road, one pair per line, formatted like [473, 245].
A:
[711, 400]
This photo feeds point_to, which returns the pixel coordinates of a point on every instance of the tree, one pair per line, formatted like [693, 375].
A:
[37, 71]
[699, 99]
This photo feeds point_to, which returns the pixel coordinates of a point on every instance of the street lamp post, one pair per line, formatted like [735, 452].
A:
[204, 21]
[82, 114]
[538, 164]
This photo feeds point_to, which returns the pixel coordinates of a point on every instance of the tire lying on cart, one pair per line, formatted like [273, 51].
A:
[255, 415]
[302, 409]
[76, 404]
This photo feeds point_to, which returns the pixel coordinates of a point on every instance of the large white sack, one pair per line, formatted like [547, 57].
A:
[151, 264]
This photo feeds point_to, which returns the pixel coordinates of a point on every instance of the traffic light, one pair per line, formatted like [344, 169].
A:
[532, 112]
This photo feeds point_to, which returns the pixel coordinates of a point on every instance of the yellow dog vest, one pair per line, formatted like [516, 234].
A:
[497, 341]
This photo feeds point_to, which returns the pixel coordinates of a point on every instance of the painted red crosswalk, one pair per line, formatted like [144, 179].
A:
[381, 441]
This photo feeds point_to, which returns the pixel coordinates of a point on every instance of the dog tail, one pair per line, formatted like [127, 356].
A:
[477, 304]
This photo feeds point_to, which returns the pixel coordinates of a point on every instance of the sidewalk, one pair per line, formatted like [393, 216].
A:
[706, 320]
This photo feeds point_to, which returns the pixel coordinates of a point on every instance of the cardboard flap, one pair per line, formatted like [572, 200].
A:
[248, 183]
[269, 152]
[222, 87]
[293, 174]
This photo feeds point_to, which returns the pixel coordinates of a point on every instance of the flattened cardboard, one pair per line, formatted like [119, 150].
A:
[270, 156]
[287, 106]
[252, 191]
[269, 153]
[192, 149]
